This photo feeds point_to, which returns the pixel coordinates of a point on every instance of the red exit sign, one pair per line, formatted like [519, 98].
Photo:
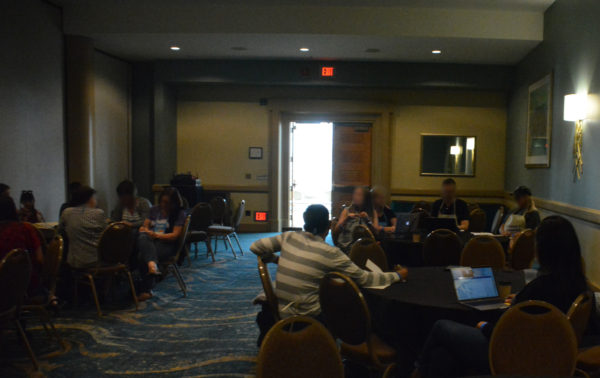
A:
[261, 216]
[327, 71]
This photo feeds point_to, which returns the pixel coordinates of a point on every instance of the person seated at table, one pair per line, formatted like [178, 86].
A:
[4, 190]
[83, 224]
[158, 237]
[15, 234]
[73, 187]
[28, 212]
[131, 209]
[449, 206]
[525, 216]
[384, 219]
[453, 349]
[360, 212]
[305, 259]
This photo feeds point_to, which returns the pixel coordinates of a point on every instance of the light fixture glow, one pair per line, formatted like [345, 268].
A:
[455, 150]
[304, 49]
[175, 48]
[576, 107]
[470, 144]
[436, 52]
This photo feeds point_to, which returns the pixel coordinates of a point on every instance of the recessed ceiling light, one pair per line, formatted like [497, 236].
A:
[239, 48]
[175, 48]
[304, 49]
[437, 52]
[372, 51]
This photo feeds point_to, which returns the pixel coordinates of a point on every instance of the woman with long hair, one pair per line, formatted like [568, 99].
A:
[360, 212]
[158, 236]
[454, 349]
[28, 212]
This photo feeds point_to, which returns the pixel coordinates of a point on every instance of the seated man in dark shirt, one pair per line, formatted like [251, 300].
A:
[451, 207]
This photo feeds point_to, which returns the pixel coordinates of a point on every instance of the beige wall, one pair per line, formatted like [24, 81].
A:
[488, 124]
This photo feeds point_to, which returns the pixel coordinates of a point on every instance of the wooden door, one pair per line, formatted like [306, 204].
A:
[351, 162]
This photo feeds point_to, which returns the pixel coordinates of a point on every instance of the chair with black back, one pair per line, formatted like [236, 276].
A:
[171, 263]
[367, 249]
[15, 272]
[477, 220]
[40, 305]
[533, 338]
[442, 248]
[114, 251]
[200, 221]
[299, 347]
[361, 232]
[348, 318]
[219, 207]
[225, 232]
[472, 206]
[522, 251]
[483, 251]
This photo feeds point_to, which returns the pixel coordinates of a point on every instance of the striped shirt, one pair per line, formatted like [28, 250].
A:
[305, 259]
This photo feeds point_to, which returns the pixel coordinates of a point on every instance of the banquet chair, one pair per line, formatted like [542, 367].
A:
[39, 305]
[579, 314]
[114, 251]
[522, 251]
[533, 338]
[171, 263]
[368, 249]
[271, 302]
[43, 238]
[348, 318]
[201, 219]
[299, 347]
[483, 251]
[477, 220]
[441, 248]
[224, 232]
[361, 232]
[15, 272]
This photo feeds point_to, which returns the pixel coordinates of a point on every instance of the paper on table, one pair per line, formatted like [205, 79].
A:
[370, 265]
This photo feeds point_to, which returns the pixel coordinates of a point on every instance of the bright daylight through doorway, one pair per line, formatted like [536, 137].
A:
[310, 167]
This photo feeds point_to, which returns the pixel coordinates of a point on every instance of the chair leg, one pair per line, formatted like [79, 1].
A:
[209, 250]
[95, 294]
[231, 245]
[132, 286]
[27, 345]
[45, 317]
[195, 251]
[237, 240]
[216, 246]
[179, 278]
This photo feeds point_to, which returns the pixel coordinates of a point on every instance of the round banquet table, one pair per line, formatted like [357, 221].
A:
[403, 313]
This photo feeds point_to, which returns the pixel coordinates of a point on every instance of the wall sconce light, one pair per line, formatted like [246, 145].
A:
[578, 108]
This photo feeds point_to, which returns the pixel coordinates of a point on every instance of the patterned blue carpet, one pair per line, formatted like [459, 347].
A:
[211, 333]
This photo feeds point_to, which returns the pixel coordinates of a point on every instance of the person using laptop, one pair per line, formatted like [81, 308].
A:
[454, 349]
[384, 219]
[449, 206]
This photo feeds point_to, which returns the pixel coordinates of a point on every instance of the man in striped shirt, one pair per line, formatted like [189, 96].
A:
[305, 259]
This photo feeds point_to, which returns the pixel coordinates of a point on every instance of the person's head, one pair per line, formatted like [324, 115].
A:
[27, 199]
[73, 187]
[522, 196]
[170, 201]
[378, 196]
[558, 249]
[359, 196]
[84, 196]
[4, 190]
[316, 220]
[126, 191]
[8, 210]
[449, 190]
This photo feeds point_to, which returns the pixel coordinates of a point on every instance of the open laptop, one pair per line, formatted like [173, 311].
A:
[476, 288]
[402, 224]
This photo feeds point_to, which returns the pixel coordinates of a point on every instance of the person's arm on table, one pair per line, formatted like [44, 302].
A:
[342, 263]
[267, 247]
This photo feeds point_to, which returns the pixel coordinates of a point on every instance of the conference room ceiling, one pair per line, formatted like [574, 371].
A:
[466, 31]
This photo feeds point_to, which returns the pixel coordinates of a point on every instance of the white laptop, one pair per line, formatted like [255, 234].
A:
[476, 288]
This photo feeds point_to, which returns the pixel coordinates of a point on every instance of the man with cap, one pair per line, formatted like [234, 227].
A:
[525, 216]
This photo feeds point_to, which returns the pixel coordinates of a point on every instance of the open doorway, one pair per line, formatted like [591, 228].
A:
[311, 156]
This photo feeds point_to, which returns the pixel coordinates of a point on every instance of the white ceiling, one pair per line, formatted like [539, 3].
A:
[467, 31]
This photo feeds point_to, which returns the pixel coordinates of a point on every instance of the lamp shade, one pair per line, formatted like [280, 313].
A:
[576, 107]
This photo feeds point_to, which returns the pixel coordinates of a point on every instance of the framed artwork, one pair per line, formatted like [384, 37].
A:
[255, 153]
[539, 124]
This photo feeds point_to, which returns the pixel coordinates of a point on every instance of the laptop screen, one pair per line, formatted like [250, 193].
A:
[474, 283]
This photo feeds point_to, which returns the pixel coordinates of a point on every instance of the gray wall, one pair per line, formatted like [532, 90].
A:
[571, 50]
[32, 150]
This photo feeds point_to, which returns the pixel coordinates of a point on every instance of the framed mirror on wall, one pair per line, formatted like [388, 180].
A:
[448, 155]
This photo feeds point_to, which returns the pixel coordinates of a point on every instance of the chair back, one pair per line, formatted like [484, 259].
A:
[344, 309]
[477, 220]
[201, 217]
[239, 213]
[182, 238]
[361, 232]
[497, 221]
[41, 236]
[219, 209]
[267, 284]
[579, 314]
[299, 347]
[51, 267]
[472, 206]
[523, 250]
[441, 248]
[421, 207]
[116, 244]
[368, 249]
[483, 251]
[533, 338]
[15, 273]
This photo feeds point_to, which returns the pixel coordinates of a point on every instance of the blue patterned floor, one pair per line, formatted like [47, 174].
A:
[211, 333]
